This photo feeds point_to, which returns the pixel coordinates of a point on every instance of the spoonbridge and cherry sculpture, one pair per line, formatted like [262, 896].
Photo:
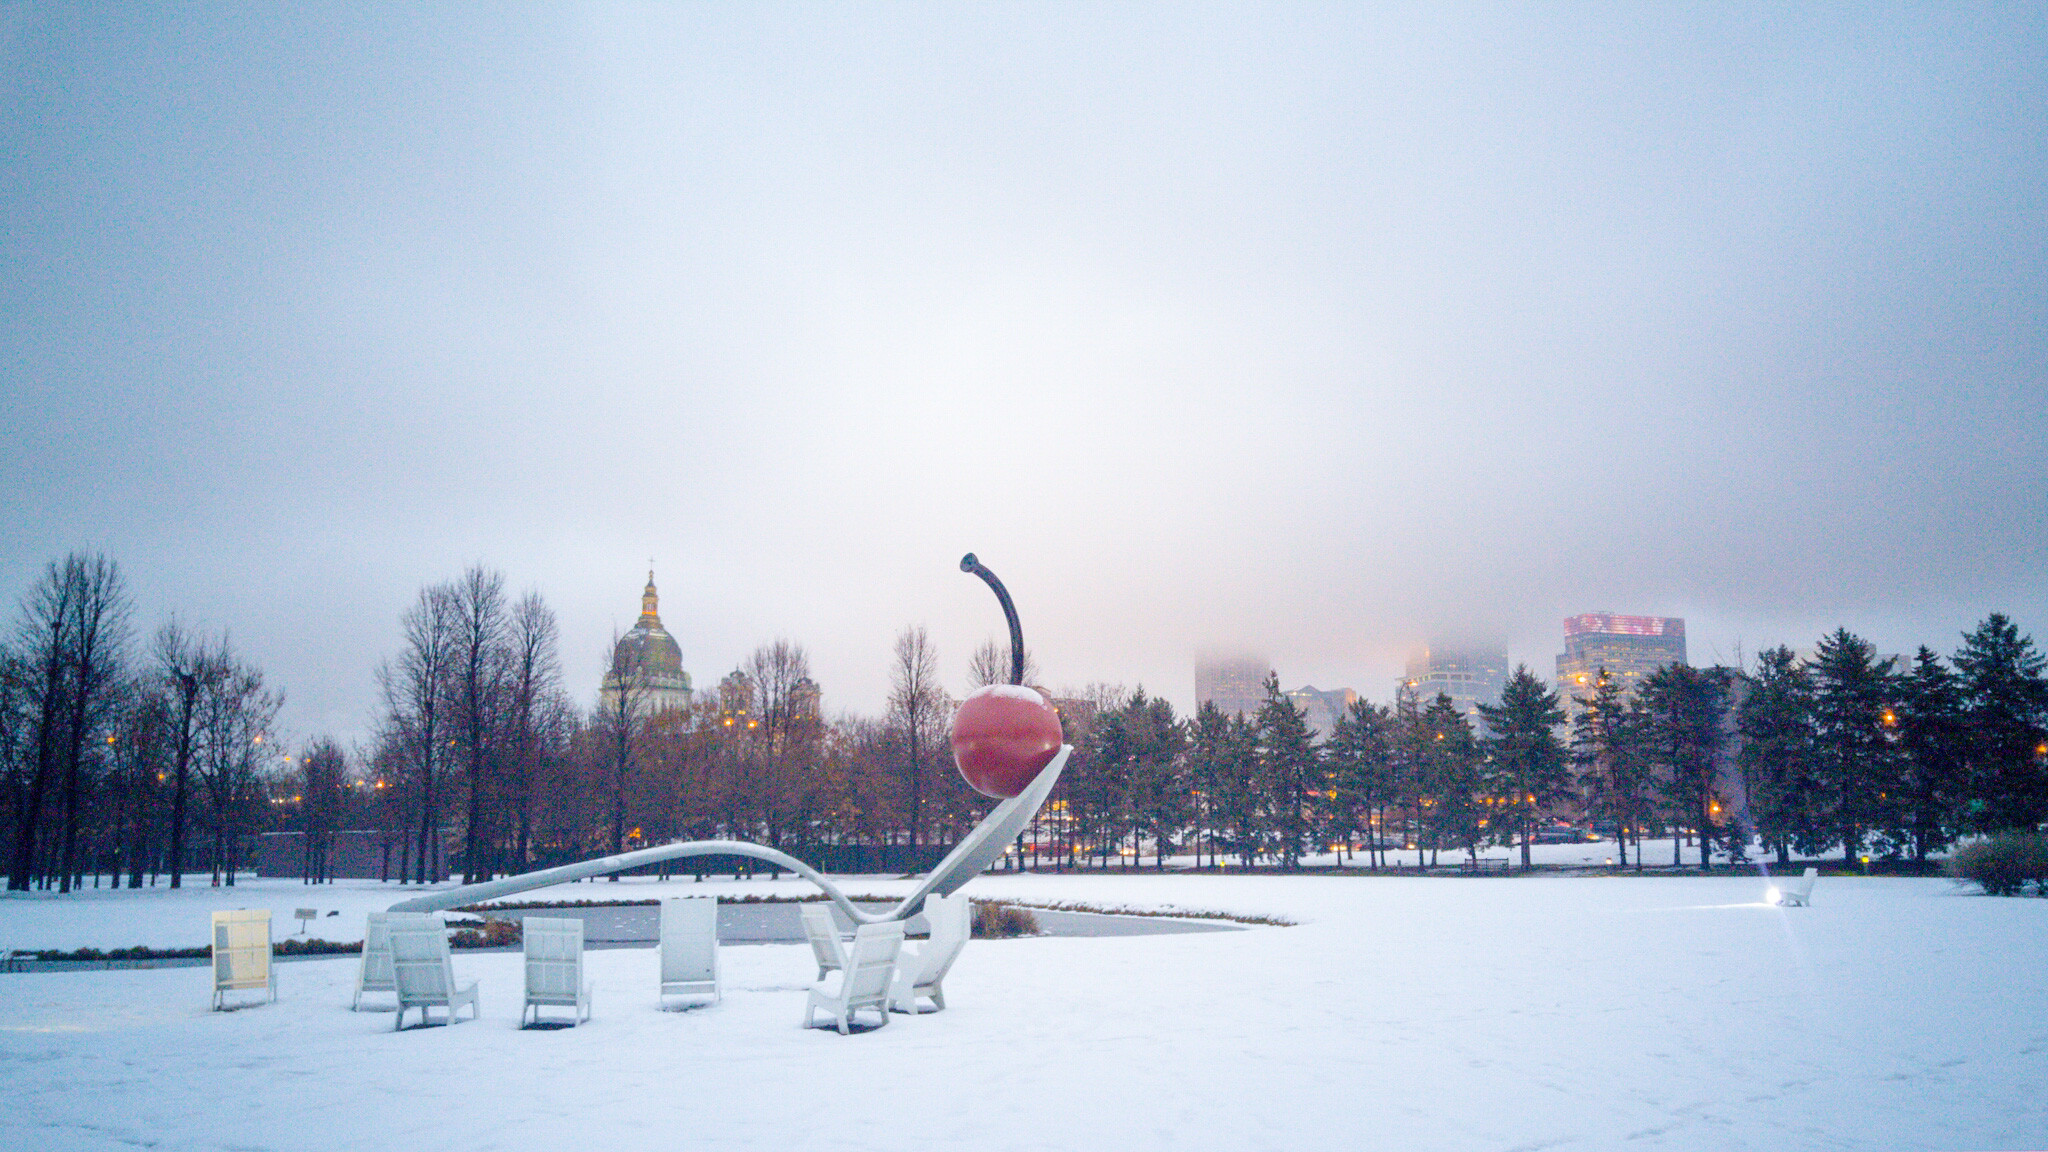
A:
[1007, 743]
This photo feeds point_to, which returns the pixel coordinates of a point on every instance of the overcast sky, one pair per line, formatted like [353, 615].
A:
[1307, 330]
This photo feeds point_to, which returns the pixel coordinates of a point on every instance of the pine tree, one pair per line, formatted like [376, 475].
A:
[1933, 735]
[1526, 768]
[1359, 757]
[1608, 757]
[1208, 735]
[2006, 699]
[1451, 778]
[1288, 767]
[1685, 707]
[1857, 763]
[1223, 758]
[1155, 801]
[1778, 757]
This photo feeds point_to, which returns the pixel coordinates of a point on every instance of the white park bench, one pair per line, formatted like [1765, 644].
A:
[921, 969]
[374, 973]
[554, 967]
[823, 933]
[241, 954]
[689, 947]
[423, 972]
[863, 982]
[1798, 893]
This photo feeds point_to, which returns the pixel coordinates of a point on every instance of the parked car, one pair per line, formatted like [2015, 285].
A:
[1565, 834]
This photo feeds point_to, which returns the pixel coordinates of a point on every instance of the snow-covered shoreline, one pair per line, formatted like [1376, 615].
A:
[1675, 1012]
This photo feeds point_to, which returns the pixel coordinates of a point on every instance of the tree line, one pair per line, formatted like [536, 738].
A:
[125, 759]
[159, 759]
[1842, 750]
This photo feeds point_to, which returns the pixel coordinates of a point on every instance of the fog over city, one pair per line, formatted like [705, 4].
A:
[1306, 331]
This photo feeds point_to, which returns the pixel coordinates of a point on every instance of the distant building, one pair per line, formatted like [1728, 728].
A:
[1628, 647]
[647, 665]
[1471, 674]
[1322, 709]
[1236, 685]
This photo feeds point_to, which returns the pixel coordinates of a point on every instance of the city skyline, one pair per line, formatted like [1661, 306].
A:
[1314, 332]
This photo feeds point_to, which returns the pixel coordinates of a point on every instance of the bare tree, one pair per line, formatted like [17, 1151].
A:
[537, 711]
[186, 669]
[45, 637]
[415, 691]
[236, 751]
[788, 737]
[621, 715]
[917, 712]
[477, 603]
[99, 641]
[991, 665]
[322, 788]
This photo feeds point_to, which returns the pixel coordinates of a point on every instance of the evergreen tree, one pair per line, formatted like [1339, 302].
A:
[1409, 749]
[1933, 735]
[1857, 765]
[1288, 769]
[1223, 757]
[1685, 707]
[1778, 757]
[1608, 757]
[1155, 798]
[1451, 767]
[1360, 759]
[1208, 736]
[2006, 699]
[1526, 768]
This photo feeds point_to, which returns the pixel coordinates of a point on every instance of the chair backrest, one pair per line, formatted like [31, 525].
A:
[950, 918]
[377, 951]
[823, 933]
[241, 949]
[420, 967]
[554, 956]
[873, 962]
[689, 939]
[1805, 885]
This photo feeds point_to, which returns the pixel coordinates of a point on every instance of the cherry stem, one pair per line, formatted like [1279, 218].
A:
[969, 564]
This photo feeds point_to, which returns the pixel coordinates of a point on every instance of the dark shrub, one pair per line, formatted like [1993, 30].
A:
[2004, 864]
[493, 934]
[992, 920]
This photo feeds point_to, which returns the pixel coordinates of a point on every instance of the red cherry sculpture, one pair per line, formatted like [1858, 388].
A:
[1003, 736]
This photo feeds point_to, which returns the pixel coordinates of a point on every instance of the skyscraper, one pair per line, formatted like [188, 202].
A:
[1469, 673]
[1236, 684]
[1322, 709]
[1628, 647]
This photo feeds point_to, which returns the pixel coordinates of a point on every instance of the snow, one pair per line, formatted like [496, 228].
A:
[1011, 692]
[1411, 1012]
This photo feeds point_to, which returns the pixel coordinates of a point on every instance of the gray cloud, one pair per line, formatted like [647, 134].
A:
[1305, 329]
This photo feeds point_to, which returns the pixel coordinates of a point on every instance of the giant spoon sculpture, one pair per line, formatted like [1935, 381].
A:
[1006, 744]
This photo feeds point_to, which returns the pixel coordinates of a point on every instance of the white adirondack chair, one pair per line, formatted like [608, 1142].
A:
[689, 947]
[554, 967]
[823, 933]
[241, 954]
[864, 981]
[422, 971]
[374, 973]
[921, 970]
[1798, 893]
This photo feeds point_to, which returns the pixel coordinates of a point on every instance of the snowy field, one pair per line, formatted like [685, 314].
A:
[1413, 1013]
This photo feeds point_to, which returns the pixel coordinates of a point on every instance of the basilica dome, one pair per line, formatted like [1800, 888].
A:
[647, 664]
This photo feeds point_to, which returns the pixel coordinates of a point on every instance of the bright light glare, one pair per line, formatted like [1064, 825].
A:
[1770, 895]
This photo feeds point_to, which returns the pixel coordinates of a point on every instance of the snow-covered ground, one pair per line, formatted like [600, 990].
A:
[1414, 1013]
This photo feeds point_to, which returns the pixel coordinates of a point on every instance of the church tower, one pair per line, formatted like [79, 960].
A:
[647, 665]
